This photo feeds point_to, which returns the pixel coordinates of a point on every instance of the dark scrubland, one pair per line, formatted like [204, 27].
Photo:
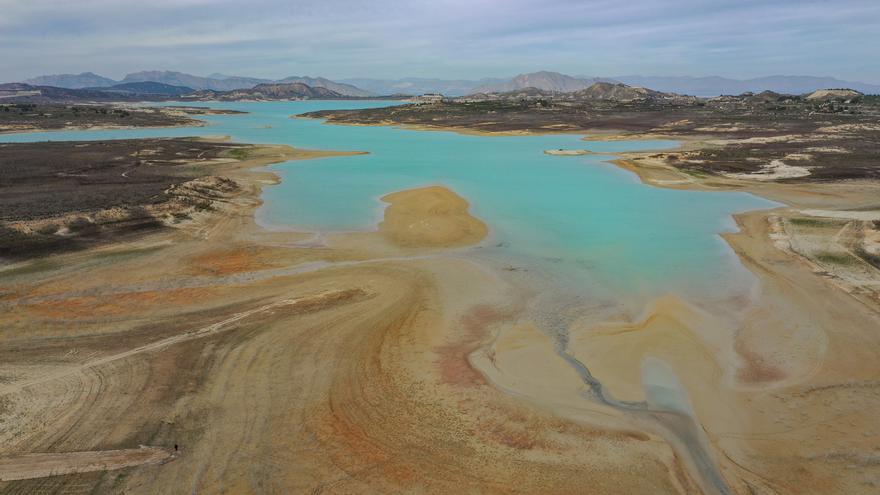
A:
[738, 134]
[32, 116]
[56, 195]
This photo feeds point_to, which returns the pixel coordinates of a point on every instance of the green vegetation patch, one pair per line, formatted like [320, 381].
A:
[240, 153]
[813, 222]
[127, 253]
[831, 258]
[693, 172]
[36, 266]
[871, 258]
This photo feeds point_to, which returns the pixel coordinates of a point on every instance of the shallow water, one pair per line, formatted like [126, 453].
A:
[587, 223]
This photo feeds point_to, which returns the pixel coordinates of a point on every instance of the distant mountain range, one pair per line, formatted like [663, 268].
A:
[543, 80]
[554, 81]
[72, 81]
[695, 86]
[154, 91]
[191, 81]
[214, 82]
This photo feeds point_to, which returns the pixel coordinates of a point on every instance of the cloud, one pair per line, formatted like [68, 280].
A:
[442, 38]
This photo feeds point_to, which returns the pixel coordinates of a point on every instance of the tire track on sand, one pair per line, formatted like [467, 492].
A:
[316, 301]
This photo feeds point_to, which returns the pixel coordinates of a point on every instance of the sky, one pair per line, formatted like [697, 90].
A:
[449, 39]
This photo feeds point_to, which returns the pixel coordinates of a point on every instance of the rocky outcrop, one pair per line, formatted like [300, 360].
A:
[835, 95]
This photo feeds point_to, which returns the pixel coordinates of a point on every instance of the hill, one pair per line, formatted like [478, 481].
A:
[147, 88]
[320, 82]
[269, 92]
[618, 92]
[222, 82]
[72, 81]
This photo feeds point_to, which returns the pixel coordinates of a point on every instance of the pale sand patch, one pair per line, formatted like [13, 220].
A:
[671, 330]
[864, 216]
[720, 128]
[561, 152]
[430, 217]
[798, 156]
[787, 138]
[828, 149]
[522, 361]
[848, 128]
[833, 93]
[775, 170]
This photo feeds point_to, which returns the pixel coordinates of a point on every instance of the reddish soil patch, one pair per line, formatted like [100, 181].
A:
[119, 304]
[237, 260]
[452, 360]
[756, 369]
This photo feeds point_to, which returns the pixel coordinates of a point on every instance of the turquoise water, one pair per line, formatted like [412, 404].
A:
[583, 220]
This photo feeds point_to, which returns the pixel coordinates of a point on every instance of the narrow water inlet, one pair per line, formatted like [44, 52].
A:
[667, 409]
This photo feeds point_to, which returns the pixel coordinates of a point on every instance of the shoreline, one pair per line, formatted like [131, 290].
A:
[808, 198]
[746, 252]
[400, 298]
[402, 288]
[195, 123]
[762, 366]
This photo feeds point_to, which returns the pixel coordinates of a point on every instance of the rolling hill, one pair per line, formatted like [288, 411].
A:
[72, 81]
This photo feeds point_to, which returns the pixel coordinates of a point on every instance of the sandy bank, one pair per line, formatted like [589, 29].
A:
[561, 152]
[430, 217]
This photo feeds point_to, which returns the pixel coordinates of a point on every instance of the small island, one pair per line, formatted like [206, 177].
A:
[562, 152]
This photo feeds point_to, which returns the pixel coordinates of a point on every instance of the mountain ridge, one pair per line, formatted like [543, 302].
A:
[704, 86]
[213, 82]
[72, 81]
[267, 92]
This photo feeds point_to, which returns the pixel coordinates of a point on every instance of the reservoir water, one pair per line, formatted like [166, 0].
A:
[584, 220]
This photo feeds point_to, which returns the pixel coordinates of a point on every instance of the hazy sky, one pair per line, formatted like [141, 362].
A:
[442, 38]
